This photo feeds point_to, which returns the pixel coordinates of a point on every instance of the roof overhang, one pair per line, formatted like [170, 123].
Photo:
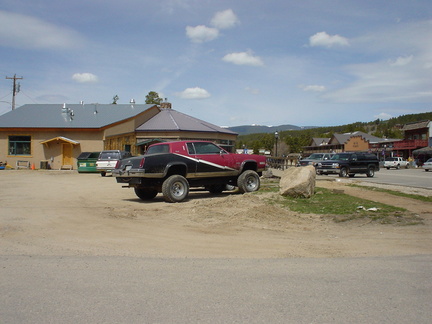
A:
[60, 139]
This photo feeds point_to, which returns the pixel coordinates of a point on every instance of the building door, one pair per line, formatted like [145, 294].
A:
[67, 154]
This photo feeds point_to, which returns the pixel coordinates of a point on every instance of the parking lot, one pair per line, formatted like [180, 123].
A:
[66, 213]
[77, 248]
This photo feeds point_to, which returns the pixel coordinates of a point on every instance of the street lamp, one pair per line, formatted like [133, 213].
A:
[276, 138]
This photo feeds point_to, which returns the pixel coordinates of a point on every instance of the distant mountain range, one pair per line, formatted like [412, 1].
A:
[254, 129]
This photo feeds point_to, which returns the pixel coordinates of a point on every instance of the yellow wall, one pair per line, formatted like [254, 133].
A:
[89, 141]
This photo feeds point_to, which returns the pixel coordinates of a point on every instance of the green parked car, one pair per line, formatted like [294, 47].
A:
[87, 162]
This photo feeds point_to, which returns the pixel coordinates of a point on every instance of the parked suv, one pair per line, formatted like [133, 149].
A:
[314, 158]
[349, 164]
[108, 159]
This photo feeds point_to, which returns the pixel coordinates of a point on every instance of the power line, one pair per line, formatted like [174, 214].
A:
[16, 88]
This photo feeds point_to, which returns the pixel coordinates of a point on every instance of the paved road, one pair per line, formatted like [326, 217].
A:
[150, 290]
[406, 177]
[414, 177]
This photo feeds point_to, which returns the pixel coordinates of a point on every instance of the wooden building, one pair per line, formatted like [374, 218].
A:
[56, 134]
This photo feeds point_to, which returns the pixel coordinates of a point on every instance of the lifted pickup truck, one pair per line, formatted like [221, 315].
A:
[395, 162]
[349, 164]
[173, 167]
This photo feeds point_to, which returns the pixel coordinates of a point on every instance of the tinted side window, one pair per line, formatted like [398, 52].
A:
[206, 148]
[164, 148]
[191, 148]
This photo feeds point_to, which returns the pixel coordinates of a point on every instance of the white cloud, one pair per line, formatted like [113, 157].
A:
[85, 78]
[243, 58]
[23, 31]
[313, 88]
[225, 19]
[194, 93]
[201, 33]
[383, 116]
[326, 40]
[402, 60]
[403, 79]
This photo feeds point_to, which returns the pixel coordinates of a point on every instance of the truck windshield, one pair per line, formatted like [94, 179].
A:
[109, 156]
[341, 157]
[316, 156]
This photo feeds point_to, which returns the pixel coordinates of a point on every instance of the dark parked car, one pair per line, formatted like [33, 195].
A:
[349, 164]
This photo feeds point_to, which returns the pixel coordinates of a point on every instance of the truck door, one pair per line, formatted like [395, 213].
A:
[212, 160]
[355, 163]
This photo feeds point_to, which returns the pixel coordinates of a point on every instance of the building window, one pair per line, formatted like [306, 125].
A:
[127, 147]
[19, 145]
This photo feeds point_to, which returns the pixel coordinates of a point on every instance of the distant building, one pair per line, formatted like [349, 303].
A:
[58, 133]
[416, 135]
[350, 142]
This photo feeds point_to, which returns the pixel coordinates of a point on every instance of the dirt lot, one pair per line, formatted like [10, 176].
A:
[66, 213]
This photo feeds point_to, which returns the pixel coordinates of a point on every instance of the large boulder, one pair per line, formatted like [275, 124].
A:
[298, 182]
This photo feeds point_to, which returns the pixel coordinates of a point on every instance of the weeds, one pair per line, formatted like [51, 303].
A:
[395, 193]
[341, 207]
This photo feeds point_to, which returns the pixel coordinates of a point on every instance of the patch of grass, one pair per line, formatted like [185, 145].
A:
[341, 207]
[395, 193]
[326, 202]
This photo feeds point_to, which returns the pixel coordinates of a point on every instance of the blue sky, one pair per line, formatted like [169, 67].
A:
[238, 62]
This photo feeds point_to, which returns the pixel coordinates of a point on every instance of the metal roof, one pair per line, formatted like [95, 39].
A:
[416, 125]
[343, 138]
[317, 141]
[171, 120]
[70, 116]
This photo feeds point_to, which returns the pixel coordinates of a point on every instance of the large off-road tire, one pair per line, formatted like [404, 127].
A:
[343, 172]
[175, 188]
[371, 172]
[145, 193]
[248, 181]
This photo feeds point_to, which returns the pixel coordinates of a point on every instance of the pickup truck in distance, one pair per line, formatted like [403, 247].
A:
[349, 164]
[395, 162]
[173, 167]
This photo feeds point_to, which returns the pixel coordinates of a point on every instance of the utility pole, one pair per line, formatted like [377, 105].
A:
[15, 89]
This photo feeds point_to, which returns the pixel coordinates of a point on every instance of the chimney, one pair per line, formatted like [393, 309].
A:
[165, 104]
[65, 109]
